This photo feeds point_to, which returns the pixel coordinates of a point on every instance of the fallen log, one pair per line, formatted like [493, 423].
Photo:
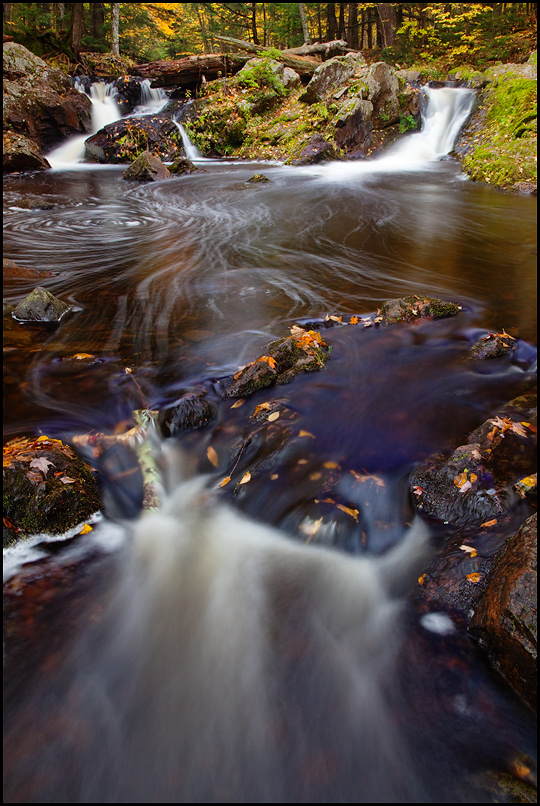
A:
[322, 50]
[303, 66]
[189, 71]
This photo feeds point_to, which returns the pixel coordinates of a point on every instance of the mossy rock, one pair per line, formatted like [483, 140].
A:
[47, 488]
[40, 306]
[414, 308]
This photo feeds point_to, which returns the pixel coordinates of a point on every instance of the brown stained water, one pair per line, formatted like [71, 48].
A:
[214, 657]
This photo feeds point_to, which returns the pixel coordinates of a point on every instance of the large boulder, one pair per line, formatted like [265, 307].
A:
[354, 126]
[331, 75]
[39, 101]
[505, 622]
[21, 154]
[317, 149]
[126, 139]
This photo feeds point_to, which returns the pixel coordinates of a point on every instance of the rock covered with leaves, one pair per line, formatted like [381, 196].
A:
[126, 139]
[47, 488]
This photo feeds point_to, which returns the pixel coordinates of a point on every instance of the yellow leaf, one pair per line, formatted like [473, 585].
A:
[238, 403]
[352, 512]
[273, 416]
[274, 476]
[489, 523]
[245, 478]
[86, 528]
[212, 456]
[42, 439]
[268, 359]
[225, 481]
[314, 476]
[470, 550]
[421, 579]
[306, 434]
[473, 477]
[261, 407]
[331, 465]
[354, 320]
[460, 479]
[80, 356]
[475, 577]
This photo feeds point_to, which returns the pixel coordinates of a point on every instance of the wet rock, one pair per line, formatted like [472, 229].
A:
[303, 351]
[128, 93]
[505, 621]
[414, 308]
[383, 89]
[34, 204]
[147, 168]
[460, 489]
[13, 271]
[40, 306]
[493, 345]
[39, 101]
[191, 411]
[21, 154]
[47, 488]
[125, 139]
[183, 165]
[317, 150]
[258, 178]
[480, 480]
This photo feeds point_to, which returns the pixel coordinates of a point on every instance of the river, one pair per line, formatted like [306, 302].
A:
[205, 654]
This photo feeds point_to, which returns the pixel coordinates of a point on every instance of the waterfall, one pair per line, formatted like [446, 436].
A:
[152, 100]
[447, 109]
[191, 150]
[105, 110]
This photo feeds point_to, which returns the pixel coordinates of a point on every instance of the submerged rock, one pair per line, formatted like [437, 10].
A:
[47, 488]
[191, 411]
[505, 621]
[41, 306]
[13, 271]
[147, 168]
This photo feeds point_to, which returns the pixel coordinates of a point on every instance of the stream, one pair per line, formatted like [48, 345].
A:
[233, 648]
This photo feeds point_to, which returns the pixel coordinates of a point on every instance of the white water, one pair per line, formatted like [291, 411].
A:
[447, 111]
[192, 152]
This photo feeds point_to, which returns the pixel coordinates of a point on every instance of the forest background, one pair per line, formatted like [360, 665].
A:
[439, 35]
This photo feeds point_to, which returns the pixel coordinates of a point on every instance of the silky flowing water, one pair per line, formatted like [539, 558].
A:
[239, 650]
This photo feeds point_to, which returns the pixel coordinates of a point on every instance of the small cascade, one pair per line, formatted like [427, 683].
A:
[152, 100]
[192, 152]
[105, 110]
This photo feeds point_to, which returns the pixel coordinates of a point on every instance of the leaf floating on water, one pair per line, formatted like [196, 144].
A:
[331, 465]
[212, 456]
[41, 464]
[245, 478]
[86, 528]
[489, 523]
[470, 550]
[474, 577]
[225, 481]
[352, 512]
[306, 434]
[274, 476]
[239, 403]
[353, 320]
[272, 417]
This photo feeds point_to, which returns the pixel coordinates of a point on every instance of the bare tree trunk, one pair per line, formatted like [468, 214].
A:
[352, 37]
[305, 26]
[265, 30]
[341, 32]
[331, 30]
[369, 30]
[7, 12]
[115, 25]
[77, 11]
[97, 17]
[254, 24]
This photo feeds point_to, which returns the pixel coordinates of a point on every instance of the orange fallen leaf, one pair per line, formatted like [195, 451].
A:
[274, 476]
[238, 403]
[314, 476]
[268, 360]
[80, 356]
[86, 528]
[225, 481]
[212, 456]
[422, 579]
[352, 512]
[330, 465]
[245, 478]
[474, 577]
[262, 407]
[489, 523]
[306, 434]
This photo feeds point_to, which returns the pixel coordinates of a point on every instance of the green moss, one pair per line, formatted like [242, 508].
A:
[504, 153]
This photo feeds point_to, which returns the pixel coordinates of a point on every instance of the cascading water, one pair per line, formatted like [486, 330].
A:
[191, 150]
[219, 659]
